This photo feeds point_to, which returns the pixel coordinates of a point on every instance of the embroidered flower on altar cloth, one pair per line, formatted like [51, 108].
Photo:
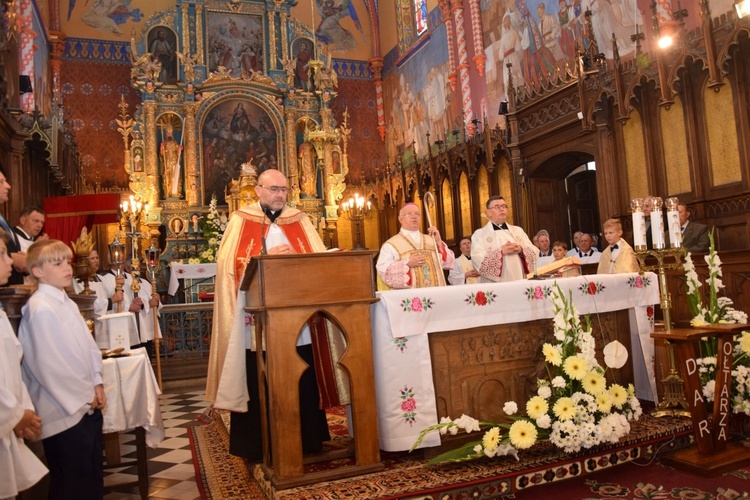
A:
[401, 343]
[408, 405]
[416, 304]
[538, 292]
[480, 298]
[639, 282]
[591, 288]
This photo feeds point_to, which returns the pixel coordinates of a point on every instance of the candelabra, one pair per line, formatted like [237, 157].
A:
[357, 210]
[152, 265]
[131, 216]
[666, 258]
[117, 258]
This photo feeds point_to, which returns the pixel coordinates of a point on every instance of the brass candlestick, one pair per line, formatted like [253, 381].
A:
[673, 403]
[152, 265]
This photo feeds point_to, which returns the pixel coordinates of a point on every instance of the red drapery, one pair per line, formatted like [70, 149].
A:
[67, 215]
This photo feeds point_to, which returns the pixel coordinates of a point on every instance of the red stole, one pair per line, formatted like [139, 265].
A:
[250, 242]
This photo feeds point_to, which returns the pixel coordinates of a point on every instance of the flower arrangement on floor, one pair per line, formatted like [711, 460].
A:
[574, 407]
[213, 231]
[719, 310]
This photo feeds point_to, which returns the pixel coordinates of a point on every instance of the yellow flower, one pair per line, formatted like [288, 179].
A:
[522, 434]
[564, 409]
[491, 438]
[604, 402]
[576, 367]
[745, 342]
[551, 355]
[536, 407]
[594, 383]
[619, 395]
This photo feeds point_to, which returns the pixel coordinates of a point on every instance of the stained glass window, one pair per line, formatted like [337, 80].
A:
[420, 16]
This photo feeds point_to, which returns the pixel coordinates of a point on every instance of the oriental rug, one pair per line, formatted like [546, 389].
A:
[221, 475]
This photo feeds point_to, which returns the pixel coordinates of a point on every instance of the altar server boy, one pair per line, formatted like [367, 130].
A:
[21, 468]
[62, 368]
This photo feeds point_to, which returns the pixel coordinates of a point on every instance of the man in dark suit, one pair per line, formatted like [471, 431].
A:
[694, 235]
[14, 249]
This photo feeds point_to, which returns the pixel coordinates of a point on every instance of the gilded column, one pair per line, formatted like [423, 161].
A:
[272, 39]
[199, 32]
[185, 29]
[152, 157]
[192, 173]
[463, 65]
[445, 9]
[291, 153]
[284, 37]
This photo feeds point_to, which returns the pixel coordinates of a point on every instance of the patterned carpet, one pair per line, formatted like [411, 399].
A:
[220, 475]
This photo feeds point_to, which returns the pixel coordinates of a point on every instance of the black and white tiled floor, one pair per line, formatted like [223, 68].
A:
[170, 466]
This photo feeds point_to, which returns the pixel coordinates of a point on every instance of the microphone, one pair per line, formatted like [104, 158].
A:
[266, 213]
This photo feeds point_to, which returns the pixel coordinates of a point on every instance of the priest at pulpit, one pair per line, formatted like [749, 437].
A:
[412, 259]
[501, 251]
[266, 227]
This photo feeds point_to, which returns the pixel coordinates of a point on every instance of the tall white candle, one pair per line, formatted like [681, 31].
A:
[657, 223]
[639, 231]
[639, 224]
[673, 223]
[657, 229]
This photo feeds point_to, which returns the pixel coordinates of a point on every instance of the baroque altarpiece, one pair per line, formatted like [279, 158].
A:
[228, 90]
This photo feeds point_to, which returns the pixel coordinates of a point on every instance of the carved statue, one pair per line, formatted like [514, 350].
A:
[308, 174]
[145, 68]
[188, 65]
[170, 158]
[289, 65]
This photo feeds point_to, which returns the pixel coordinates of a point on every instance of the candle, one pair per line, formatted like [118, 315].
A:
[639, 224]
[657, 224]
[673, 222]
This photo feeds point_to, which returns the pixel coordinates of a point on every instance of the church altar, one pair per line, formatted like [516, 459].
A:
[189, 271]
[402, 321]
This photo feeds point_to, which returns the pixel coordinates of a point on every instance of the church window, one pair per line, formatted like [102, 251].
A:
[420, 16]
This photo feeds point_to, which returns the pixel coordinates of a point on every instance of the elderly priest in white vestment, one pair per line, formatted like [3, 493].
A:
[412, 259]
[501, 251]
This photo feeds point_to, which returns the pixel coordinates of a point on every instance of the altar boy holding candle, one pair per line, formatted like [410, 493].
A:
[62, 369]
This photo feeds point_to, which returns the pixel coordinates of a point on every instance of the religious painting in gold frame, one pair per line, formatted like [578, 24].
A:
[235, 131]
[235, 42]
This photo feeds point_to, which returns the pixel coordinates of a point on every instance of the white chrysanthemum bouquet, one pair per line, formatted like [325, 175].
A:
[213, 231]
[574, 406]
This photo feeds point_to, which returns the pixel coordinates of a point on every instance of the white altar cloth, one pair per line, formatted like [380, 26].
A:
[189, 271]
[401, 320]
[132, 396]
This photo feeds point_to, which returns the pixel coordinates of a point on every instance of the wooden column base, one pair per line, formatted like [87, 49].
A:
[732, 458]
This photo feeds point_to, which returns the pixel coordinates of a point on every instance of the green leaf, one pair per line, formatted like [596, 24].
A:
[462, 454]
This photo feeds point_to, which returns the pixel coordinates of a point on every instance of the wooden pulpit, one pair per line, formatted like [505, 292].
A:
[283, 292]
